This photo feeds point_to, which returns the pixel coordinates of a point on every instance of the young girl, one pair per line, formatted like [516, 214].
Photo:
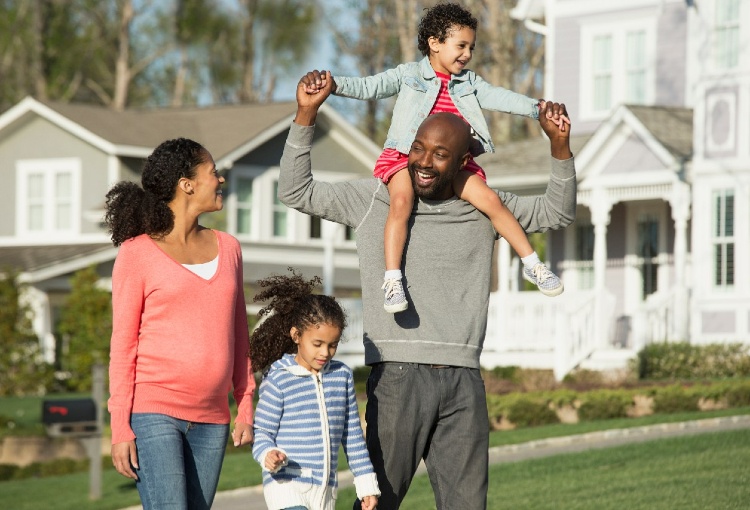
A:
[306, 408]
[441, 82]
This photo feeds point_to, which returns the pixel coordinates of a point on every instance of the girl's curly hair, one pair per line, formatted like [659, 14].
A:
[132, 210]
[291, 303]
[439, 21]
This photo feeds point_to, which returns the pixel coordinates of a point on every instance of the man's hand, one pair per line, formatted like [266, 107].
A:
[550, 118]
[312, 90]
[125, 458]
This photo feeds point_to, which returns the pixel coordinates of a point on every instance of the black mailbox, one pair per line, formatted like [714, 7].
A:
[70, 418]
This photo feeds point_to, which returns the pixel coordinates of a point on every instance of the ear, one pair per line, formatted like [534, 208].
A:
[464, 159]
[186, 185]
[434, 44]
[294, 333]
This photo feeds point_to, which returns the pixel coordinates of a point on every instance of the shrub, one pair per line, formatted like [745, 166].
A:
[675, 399]
[681, 360]
[7, 472]
[530, 413]
[603, 405]
[739, 395]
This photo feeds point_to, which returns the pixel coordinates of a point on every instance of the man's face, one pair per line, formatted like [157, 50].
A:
[437, 154]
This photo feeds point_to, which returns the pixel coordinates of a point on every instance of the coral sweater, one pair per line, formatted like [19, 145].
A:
[179, 342]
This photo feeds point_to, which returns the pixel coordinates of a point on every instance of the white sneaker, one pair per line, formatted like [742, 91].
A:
[547, 281]
[395, 299]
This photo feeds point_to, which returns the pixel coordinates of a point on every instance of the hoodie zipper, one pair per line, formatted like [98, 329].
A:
[326, 437]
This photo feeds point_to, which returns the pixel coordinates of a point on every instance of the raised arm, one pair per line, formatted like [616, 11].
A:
[341, 202]
[557, 207]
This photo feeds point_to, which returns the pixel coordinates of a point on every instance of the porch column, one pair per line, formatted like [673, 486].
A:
[600, 218]
[680, 204]
[600, 208]
[503, 267]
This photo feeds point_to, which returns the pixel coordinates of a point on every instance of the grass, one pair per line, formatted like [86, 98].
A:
[241, 470]
[691, 472]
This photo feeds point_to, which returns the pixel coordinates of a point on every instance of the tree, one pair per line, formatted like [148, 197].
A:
[85, 328]
[22, 367]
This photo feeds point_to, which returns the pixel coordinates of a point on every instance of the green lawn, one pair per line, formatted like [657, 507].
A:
[707, 471]
[240, 470]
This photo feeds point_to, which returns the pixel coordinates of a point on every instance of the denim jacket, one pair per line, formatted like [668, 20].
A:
[417, 87]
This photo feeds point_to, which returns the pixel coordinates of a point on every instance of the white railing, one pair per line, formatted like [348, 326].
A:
[553, 333]
[659, 319]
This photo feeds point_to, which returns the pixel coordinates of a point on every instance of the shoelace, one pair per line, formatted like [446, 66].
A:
[392, 287]
[541, 273]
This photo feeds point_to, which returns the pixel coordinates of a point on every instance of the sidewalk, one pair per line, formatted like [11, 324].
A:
[251, 498]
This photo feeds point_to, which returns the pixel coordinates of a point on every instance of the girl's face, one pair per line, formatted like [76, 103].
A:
[316, 345]
[453, 55]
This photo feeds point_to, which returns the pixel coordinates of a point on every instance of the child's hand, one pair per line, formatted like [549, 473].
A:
[315, 80]
[274, 460]
[557, 120]
[369, 502]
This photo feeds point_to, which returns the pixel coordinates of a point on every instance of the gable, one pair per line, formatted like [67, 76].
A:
[633, 156]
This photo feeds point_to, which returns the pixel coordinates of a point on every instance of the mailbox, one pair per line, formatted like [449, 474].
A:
[70, 418]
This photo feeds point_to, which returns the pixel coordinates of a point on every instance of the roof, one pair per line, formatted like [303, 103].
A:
[671, 126]
[222, 129]
[32, 258]
[523, 162]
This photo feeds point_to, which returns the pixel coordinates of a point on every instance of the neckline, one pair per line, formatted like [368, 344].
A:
[182, 266]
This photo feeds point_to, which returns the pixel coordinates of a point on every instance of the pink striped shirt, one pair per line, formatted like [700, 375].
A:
[392, 161]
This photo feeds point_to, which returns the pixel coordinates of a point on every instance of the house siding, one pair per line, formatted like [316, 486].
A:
[671, 55]
[633, 156]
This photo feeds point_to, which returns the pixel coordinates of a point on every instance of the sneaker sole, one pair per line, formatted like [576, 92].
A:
[400, 307]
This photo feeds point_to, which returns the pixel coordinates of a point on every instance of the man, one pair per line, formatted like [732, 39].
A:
[425, 395]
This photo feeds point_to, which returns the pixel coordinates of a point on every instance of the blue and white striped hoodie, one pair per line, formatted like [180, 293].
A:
[308, 417]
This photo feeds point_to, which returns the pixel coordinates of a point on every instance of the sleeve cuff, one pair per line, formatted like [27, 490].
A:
[366, 485]
[564, 168]
[300, 136]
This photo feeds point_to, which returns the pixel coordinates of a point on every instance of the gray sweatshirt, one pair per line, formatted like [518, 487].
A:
[446, 263]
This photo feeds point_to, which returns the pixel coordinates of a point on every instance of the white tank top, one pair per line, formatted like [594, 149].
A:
[205, 270]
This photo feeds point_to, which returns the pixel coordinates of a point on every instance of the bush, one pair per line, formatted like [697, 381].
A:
[530, 413]
[603, 405]
[684, 361]
[8, 472]
[675, 399]
[739, 395]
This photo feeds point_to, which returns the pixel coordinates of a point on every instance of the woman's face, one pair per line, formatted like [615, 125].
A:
[207, 183]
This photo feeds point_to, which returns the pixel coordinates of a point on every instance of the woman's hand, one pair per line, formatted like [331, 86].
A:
[125, 458]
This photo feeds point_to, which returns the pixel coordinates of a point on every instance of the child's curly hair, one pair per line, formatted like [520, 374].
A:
[292, 304]
[439, 21]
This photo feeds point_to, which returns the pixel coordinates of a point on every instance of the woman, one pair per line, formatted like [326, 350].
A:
[179, 334]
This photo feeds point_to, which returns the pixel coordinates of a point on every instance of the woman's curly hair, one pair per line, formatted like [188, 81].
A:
[291, 303]
[132, 210]
[439, 21]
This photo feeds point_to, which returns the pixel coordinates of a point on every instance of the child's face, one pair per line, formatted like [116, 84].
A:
[453, 55]
[316, 345]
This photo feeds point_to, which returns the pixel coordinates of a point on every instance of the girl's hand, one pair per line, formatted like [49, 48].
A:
[316, 80]
[274, 460]
[125, 458]
[557, 119]
[369, 502]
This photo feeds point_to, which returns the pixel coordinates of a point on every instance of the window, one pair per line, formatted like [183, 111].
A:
[350, 234]
[635, 67]
[648, 253]
[727, 34]
[585, 256]
[617, 65]
[602, 74]
[723, 237]
[48, 197]
[279, 213]
[316, 228]
[244, 186]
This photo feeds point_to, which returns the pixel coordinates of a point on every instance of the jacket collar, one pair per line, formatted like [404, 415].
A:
[288, 363]
[428, 73]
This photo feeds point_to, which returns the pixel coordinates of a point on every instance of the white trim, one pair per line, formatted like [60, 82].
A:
[228, 160]
[69, 266]
[247, 172]
[14, 241]
[618, 31]
[49, 169]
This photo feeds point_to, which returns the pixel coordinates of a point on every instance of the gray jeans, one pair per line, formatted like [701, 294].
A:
[417, 412]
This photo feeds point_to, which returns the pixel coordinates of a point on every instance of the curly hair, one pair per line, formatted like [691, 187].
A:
[132, 210]
[291, 304]
[439, 21]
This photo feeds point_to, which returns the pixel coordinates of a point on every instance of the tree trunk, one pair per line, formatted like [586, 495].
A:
[123, 73]
[247, 93]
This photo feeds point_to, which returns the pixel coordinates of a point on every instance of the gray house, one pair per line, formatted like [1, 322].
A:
[59, 160]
